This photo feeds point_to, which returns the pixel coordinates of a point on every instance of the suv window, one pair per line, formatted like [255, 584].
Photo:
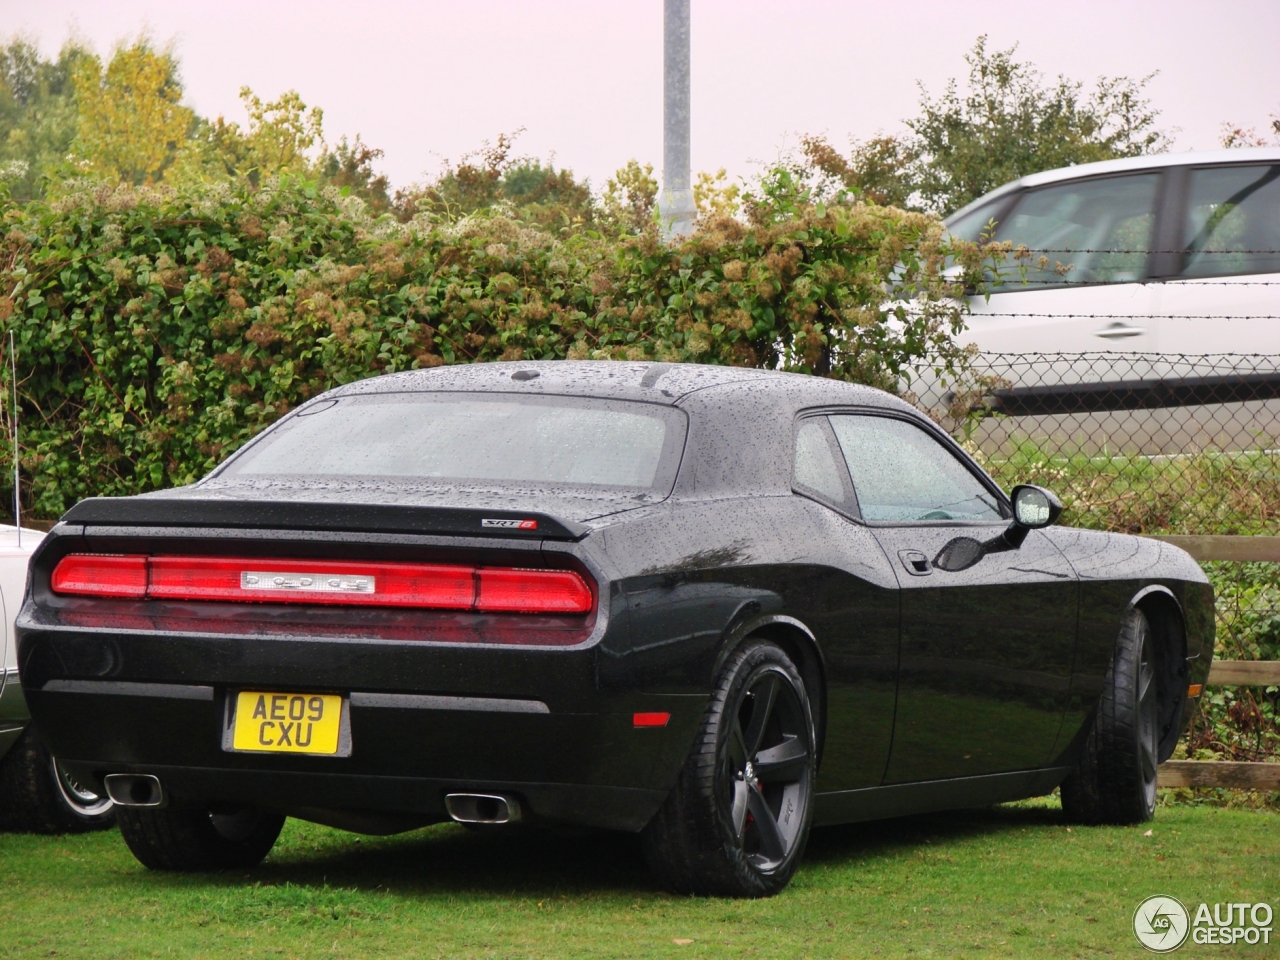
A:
[902, 473]
[1233, 221]
[1090, 231]
[974, 226]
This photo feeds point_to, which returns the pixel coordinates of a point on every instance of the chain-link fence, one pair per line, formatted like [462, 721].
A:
[1140, 443]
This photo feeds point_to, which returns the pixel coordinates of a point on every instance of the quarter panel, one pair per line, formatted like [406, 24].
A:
[696, 573]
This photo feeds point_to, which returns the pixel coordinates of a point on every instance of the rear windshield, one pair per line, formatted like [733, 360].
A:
[502, 440]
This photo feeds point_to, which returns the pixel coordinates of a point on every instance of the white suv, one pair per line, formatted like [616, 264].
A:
[1169, 254]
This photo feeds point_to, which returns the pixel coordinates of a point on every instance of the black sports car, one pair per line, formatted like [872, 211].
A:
[713, 605]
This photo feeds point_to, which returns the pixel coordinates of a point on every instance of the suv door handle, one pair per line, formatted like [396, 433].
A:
[1119, 331]
[917, 563]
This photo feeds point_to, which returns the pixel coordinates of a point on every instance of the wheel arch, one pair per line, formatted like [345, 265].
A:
[800, 644]
[1169, 630]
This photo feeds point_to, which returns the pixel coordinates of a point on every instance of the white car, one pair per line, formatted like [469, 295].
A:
[1169, 254]
[36, 794]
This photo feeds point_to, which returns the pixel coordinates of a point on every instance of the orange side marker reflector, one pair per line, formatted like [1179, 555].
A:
[650, 719]
[1194, 689]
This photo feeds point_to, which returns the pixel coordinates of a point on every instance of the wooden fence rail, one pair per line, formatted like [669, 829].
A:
[1227, 773]
[1223, 773]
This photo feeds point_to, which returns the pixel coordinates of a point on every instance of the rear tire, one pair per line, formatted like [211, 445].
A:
[38, 795]
[1114, 780]
[195, 838]
[736, 822]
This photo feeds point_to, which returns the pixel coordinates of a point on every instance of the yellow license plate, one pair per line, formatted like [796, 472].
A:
[287, 722]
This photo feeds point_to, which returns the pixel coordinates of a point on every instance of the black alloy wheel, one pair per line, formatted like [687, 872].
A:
[1114, 780]
[738, 817]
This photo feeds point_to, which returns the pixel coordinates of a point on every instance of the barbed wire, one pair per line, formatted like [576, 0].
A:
[1022, 249]
[1200, 282]
[1115, 356]
[1136, 316]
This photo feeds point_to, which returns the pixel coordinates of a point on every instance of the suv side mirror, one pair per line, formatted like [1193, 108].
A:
[1033, 508]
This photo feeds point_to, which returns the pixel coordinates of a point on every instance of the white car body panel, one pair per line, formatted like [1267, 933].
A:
[1156, 315]
[15, 552]
[1083, 319]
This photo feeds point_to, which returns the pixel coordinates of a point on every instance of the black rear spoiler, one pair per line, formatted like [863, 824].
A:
[301, 515]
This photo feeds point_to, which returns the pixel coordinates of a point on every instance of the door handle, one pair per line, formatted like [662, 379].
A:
[917, 563]
[1119, 331]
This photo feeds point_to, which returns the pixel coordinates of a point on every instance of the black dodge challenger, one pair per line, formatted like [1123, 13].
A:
[713, 605]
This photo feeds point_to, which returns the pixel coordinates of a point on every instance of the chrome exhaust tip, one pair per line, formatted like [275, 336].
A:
[482, 807]
[135, 790]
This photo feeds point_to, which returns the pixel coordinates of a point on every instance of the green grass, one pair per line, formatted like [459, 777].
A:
[1008, 881]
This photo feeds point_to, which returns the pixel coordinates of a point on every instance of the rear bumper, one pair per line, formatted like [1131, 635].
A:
[291, 792]
[425, 719]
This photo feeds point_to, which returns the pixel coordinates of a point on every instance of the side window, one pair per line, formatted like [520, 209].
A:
[1233, 222]
[816, 468]
[901, 473]
[974, 226]
[1087, 231]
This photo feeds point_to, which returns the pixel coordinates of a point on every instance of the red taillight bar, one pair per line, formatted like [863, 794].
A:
[346, 583]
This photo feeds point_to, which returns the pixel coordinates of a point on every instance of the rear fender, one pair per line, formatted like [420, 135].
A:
[799, 643]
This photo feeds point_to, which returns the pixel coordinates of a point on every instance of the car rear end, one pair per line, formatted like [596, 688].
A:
[371, 665]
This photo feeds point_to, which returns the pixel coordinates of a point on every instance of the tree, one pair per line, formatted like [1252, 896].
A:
[1007, 123]
[492, 177]
[1236, 135]
[280, 138]
[630, 197]
[715, 196]
[131, 122]
[879, 169]
[37, 114]
[350, 166]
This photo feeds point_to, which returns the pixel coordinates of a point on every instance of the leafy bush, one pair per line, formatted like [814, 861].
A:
[158, 330]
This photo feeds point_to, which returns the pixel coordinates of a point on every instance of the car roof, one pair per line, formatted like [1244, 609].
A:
[740, 418]
[1194, 158]
[665, 383]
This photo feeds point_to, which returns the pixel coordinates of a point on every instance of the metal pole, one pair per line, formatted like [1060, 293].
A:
[17, 489]
[675, 204]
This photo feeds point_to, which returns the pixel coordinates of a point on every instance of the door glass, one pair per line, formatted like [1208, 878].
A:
[976, 225]
[901, 473]
[1233, 221]
[816, 468]
[1087, 231]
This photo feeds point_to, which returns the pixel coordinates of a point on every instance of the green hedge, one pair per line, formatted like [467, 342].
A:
[157, 331]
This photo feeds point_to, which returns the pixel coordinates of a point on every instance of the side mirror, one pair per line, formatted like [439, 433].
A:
[1033, 508]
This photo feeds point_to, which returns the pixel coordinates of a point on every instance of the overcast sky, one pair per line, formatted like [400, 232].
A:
[429, 79]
